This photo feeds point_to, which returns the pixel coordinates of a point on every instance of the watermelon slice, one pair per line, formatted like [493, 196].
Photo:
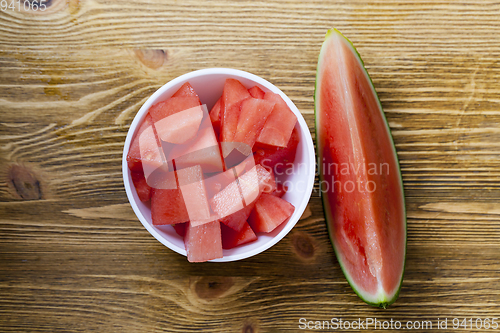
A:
[232, 96]
[364, 207]
[269, 212]
[203, 242]
[253, 116]
[232, 238]
[256, 92]
[279, 126]
[141, 186]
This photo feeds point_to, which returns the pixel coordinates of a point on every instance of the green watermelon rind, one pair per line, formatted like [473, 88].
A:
[383, 302]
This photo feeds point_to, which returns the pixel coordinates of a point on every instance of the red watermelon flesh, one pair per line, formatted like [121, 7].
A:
[141, 186]
[280, 190]
[237, 154]
[192, 185]
[186, 90]
[232, 238]
[253, 115]
[203, 150]
[134, 159]
[227, 201]
[203, 242]
[151, 152]
[215, 116]
[269, 212]
[256, 92]
[232, 96]
[267, 178]
[180, 228]
[365, 210]
[237, 220]
[278, 159]
[167, 207]
[280, 124]
[241, 192]
[181, 126]
[251, 184]
[171, 106]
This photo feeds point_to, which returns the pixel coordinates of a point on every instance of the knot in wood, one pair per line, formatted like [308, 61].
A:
[248, 328]
[210, 287]
[24, 182]
[303, 245]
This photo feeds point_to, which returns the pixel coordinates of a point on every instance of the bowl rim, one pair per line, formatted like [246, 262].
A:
[305, 134]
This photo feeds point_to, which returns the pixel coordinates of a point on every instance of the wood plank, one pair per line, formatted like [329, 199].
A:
[74, 257]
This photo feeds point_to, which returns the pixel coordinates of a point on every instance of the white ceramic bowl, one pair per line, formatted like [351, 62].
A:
[208, 83]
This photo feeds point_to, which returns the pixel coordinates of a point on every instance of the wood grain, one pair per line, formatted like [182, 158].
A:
[73, 256]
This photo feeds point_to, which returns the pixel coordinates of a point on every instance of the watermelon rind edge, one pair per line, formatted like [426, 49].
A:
[384, 302]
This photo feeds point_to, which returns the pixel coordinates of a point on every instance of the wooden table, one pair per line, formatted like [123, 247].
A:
[73, 256]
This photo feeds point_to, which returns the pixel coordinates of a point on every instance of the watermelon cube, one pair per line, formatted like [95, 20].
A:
[251, 185]
[267, 179]
[203, 242]
[280, 190]
[134, 158]
[215, 116]
[167, 207]
[180, 228]
[253, 182]
[277, 158]
[186, 90]
[181, 126]
[269, 212]
[151, 153]
[141, 186]
[232, 96]
[194, 194]
[171, 106]
[256, 92]
[237, 220]
[253, 115]
[203, 150]
[227, 201]
[235, 153]
[280, 124]
[214, 183]
[232, 238]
